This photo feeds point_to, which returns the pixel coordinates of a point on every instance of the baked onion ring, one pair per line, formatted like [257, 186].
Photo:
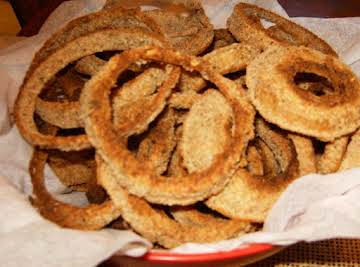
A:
[64, 114]
[89, 65]
[325, 117]
[244, 23]
[305, 154]
[351, 158]
[206, 131]
[73, 168]
[92, 217]
[190, 31]
[255, 165]
[139, 178]
[330, 160]
[241, 55]
[104, 19]
[110, 39]
[249, 197]
[156, 226]
[160, 142]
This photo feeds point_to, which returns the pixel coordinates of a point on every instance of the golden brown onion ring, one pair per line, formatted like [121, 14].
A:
[89, 65]
[280, 146]
[138, 177]
[92, 217]
[156, 226]
[110, 39]
[352, 155]
[183, 100]
[255, 165]
[244, 23]
[240, 54]
[270, 165]
[65, 114]
[189, 32]
[249, 197]
[160, 142]
[104, 19]
[222, 37]
[330, 160]
[206, 131]
[73, 168]
[270, 79]
[305, 154]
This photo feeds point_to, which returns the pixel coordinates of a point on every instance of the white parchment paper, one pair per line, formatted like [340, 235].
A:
[314, 207]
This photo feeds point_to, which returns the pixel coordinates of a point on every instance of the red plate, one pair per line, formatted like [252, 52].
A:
[241, 256]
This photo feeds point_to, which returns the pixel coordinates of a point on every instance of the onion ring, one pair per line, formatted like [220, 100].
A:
[104, 19]
[351, 158]
[92, 217]
[222, 37]
[244, 23]
[72, 168]
[318, 116]
[158, 145]
[241, 55]
[305, 154]
[249, 197]
[279, 145]
[111, 39]
[206, 131]
[189, 32]
[270, 165]
[65, 114]
[156, 226]
[89, 65]
[183, 100]
[330, 160]
[255, 165]
[191, 216]
[139, 178]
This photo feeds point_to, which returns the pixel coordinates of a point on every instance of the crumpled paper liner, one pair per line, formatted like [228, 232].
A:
[314, 207]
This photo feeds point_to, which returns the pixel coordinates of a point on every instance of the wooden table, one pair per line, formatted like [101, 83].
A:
[32, 14]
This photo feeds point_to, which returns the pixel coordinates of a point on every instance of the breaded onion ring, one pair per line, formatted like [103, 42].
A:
[222, 37]
[249, 197]
[89, 65]
[244, 23]
[156, 226]
[352, 155]
[330, 160]
[270, 79]
[190, 31]
[240, 54]
[64, 114]
[104, 19]
[160, 142]
[206, 131]
[183, 100]
[305, 154]
[73, 168]
[110, 39]
[92, 217]
[279, 145]
[255, 165]
[138, 177]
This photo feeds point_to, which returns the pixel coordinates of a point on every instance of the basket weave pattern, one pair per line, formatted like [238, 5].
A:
[334, 253]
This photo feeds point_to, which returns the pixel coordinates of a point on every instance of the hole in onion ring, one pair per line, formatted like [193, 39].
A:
[316, 84]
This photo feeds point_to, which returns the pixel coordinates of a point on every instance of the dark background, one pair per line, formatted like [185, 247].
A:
[32, 13]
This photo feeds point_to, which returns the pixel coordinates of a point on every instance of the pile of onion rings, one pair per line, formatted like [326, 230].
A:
[180, 132]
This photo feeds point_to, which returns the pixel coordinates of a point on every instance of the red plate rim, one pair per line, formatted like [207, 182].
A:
[156, 256]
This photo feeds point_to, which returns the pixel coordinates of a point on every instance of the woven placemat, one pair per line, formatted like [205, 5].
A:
[335, 252]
